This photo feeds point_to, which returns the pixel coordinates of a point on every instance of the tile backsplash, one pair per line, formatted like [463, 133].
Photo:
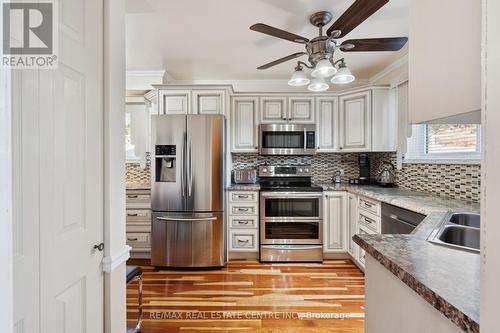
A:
[458, 181]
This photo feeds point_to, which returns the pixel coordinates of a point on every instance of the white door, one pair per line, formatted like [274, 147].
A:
[355, 122]
[59, 179]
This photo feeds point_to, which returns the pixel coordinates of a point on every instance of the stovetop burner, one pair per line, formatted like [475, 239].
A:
[287, 179]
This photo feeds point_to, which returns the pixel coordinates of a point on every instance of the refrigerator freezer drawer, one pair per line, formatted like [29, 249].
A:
[187, 240]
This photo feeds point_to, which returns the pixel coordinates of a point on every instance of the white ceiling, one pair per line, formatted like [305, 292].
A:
[211, 40]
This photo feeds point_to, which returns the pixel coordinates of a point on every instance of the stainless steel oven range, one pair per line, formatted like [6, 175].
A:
[291, 215]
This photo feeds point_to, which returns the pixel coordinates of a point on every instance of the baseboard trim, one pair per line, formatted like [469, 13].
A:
[109, 263]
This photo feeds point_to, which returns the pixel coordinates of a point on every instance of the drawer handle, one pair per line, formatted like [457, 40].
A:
[243, 196]
[243, 241]
[133, 239]
[241, 209]
[132, 196]
[367, 205]
[129, 214]
[367, 220]
[243, 222]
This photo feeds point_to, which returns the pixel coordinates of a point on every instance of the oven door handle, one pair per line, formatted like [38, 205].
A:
[295, 247]
[291, 195]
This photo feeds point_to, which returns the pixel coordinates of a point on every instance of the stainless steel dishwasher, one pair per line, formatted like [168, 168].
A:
[396, 220]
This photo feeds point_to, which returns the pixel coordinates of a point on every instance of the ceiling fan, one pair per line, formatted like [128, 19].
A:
[320, 50]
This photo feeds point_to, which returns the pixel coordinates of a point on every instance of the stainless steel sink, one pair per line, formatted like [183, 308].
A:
[466, 219]
[458, 230]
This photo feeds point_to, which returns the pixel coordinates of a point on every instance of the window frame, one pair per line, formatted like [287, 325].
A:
[420, 155]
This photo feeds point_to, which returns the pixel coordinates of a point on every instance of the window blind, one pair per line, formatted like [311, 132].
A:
[444, 142]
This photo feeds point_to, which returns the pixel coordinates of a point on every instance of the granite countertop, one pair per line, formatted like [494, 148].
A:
[446, 278]
[137, 186]
[244, 187]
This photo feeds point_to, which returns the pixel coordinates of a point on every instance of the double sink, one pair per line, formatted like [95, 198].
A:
[458, 230]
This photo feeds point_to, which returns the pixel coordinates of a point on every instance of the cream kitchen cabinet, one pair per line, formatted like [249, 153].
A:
[244, 121]
[138, 224]
[327, 124]
[273, 110]
[334, 222]
[174, 101]
[208, 102]
[243, 226]
[352, 218]
[355, 122]
[294, 109]
[384, 120]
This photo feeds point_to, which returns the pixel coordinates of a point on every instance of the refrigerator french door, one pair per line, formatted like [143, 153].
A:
[187, 191]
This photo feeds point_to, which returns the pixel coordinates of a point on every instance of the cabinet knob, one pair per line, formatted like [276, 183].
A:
[340, 148]
[284, 118]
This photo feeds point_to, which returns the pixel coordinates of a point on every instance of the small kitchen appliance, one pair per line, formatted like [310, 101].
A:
[287, 139]
[245, 176]
[291, 215]
[386, 177]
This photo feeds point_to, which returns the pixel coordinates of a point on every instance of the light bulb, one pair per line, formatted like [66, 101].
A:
[318, 84]
[324, 68]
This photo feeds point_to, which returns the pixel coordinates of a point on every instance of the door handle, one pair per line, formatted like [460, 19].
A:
[99, 247]
[190, 166]
[173, 219]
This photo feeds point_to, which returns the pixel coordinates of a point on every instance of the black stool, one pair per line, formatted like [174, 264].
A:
[135, 273]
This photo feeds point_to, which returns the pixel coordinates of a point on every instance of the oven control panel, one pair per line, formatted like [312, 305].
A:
[285, 171]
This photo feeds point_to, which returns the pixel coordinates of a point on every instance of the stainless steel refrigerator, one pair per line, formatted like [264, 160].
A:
[187, 188]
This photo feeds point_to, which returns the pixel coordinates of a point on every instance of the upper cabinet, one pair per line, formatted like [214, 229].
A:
[295, 109]
[244, 121]
[208, 102]
[175, 101]
[444, 60]
[273, 110]
[384, 120]
[327, 124]
[355, 122]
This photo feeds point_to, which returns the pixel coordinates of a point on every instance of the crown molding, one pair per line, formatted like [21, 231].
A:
[158, 73]
[403, 61]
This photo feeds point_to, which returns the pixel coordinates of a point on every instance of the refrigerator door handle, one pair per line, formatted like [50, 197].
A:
[183, 170]
[175, 219]
[190, 166]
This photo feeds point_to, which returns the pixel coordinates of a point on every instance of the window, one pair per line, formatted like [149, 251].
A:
[129, 146]
[449, 142]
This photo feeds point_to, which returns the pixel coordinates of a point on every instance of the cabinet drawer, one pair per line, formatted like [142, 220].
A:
[369, 205]
[139, 228]
[362, 230]
[245, 196]
[242, 208]
[368, 220]
[138, 199]
[138, 239]
[138, 215]
[243, 221]
[243, 240]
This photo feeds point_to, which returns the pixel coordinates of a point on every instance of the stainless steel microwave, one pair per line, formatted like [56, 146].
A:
[287, 139]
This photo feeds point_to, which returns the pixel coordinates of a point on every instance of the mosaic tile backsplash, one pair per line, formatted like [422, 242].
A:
[458, 181]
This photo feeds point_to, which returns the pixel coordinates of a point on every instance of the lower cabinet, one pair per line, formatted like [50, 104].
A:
[138, 214]
[243, 224]
[352, 218]
[334, 222]
[360, 253]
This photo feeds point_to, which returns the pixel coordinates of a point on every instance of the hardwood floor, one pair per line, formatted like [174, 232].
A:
[251, 297]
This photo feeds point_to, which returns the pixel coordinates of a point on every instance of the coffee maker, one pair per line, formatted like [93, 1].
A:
[364, 171]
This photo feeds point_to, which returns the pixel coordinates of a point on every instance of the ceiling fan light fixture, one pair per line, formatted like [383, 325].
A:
[318, 84]
[343, 76]
[323, 69]
[298, 78]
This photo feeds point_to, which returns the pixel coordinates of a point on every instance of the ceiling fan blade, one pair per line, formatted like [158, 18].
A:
[279, 61]
[275, 32]
[374, 44]
[359, 11]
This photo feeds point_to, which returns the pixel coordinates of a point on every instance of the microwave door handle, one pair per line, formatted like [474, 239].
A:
[305, 139]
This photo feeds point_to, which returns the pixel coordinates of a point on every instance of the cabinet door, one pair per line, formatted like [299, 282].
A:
[384, 120]
[301, 110]
[360, 253]
[208, 102]
[355, 122]
[244, 125]
[335, 222]
[327, 124]
[352, 218]
[174, 101]
[273, 110]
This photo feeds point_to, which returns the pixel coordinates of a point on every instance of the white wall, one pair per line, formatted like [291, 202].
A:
[115, 251]
[490, 189]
